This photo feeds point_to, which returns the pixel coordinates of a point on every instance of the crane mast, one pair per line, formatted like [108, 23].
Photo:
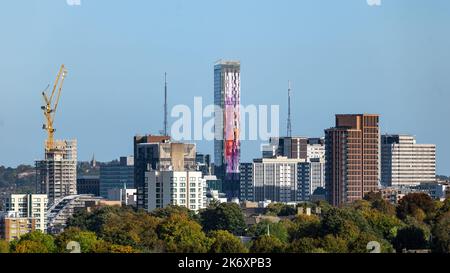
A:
[50, 107]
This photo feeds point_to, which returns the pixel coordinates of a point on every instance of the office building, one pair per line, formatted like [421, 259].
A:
[227, 91]
[117, 174]
[57, 174]
[88, 184]
[146, 149]
[352, 156]
[404, 162]
[29, 206]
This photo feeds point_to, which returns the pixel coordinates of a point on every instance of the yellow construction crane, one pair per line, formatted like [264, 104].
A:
[51, 106]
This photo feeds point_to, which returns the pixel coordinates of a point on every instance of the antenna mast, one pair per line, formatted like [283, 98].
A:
[289, 121]
[165, 104]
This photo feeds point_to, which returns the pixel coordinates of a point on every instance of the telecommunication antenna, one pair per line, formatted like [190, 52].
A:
[165, 105]
[289, 121]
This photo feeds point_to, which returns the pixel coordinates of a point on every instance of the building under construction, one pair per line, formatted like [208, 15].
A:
[57, 174]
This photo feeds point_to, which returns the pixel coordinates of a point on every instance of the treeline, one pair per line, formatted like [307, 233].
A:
[17, 180]
[417, 223]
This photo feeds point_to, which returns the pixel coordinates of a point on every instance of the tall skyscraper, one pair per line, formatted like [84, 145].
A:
[57, 174]
[405, 163]
[352, 158]
[227, 89]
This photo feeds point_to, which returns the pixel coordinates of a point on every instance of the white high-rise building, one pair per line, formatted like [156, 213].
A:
[404, 162]
[33, 206]
[316, 148]
[57, 174]
[180, 188]
[275, 179]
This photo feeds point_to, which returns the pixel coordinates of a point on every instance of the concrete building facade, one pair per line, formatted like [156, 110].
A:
[57, 174]
[404, 162]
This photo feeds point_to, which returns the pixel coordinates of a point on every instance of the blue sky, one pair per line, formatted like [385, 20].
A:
[342, 57]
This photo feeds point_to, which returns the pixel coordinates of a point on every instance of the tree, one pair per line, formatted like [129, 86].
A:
[411, 203]
[182, 235]
[277, 230]
[333, 244]
[225, 242]
[267, 244]
[135, 229]
[86, 239]
[305, 245]
[172, 209]
[280, 209]
[441, 234]
[225, 216]
[344, 223]
[304, 226]
[34, 242]
[411, 238]
[384, 225]
[4, 247]
[360, 244]
[372, 196]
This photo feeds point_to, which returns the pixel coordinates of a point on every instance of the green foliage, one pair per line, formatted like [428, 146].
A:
[411, 238]
[384, 225]
[170, 210]
[182, 235]
[4, 247]
[304, 226]
[177, 230]
[18, 180]
[225, 216]
[267, 244]
[87, 239]
[360, 244]
[277, 230]
[280, 209]
[305, 245]
[333, 244]
[121, 226]
[34, 242]
[418, 205]
[441, 234]
[225, 242]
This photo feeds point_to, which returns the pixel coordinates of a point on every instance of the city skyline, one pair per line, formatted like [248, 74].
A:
[404, 73]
